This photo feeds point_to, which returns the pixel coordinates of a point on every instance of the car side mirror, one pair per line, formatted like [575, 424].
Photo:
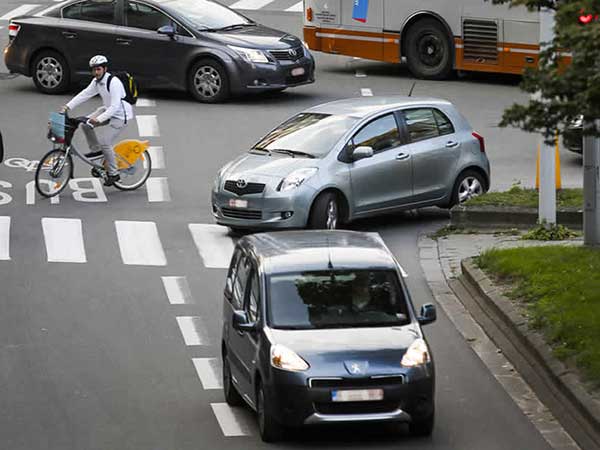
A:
[428, 314]
[240, 322]
[168, 30]
[362, 153]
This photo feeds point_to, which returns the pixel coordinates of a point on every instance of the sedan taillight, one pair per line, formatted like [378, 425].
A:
[13, 30]
[481, 141]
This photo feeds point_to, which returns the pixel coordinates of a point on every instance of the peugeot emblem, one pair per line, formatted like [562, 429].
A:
[293, 53]
[357, 367]
[241, 183]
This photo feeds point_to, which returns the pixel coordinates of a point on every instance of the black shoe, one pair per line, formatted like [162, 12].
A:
[111, 179]
[96, 173]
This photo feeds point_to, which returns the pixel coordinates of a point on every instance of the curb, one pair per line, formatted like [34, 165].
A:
[509, 217]
[560, 376]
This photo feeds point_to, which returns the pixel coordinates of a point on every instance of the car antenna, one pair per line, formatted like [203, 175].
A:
[412, 88]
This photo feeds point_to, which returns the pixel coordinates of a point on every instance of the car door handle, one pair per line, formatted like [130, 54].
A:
[452, 144]
[69, 34]
[121, 41]
[402, 156]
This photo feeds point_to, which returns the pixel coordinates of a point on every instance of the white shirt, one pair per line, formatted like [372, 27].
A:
[112, 100]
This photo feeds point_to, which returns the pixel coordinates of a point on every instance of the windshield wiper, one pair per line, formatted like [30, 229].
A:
[293, 153]
[231, 27]
[261, 149]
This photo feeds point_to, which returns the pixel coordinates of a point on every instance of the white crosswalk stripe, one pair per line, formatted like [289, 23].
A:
[147, 125]
[209, 372]
[4, 238]
[213, 243]
[158, 189]
[157, 155]
[297, 7]
[140, 244]
[19, 11]
[193, 330]
[233, 421]
[177, 289]
[64, 240]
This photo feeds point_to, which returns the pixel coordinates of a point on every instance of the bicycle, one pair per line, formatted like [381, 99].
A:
[56, 168]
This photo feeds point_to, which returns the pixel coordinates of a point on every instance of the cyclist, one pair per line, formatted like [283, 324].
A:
[115, 113]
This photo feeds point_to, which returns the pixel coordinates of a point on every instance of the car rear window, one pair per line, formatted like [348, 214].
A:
[336, 299]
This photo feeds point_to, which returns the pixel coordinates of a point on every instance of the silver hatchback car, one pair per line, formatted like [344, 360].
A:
[354, 158]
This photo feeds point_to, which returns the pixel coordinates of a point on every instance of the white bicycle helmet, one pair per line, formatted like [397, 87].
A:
[98, 61]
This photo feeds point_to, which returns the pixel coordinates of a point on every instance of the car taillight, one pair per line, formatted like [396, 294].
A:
[13, 30]
[481, 141]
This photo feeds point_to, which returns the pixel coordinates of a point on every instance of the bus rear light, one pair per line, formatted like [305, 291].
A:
[481, 141]
[309, 14]
[13, 30]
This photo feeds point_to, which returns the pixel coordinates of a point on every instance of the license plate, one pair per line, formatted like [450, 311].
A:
[298, 71]
[358, 395]
[237, 203]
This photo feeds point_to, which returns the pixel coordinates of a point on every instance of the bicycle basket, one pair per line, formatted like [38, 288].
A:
[60, 128]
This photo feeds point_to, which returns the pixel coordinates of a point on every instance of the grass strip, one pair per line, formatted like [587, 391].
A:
[560, 288]
[516, 196]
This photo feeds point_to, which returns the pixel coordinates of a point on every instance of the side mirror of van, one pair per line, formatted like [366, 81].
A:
[428, 314]
[240, 322]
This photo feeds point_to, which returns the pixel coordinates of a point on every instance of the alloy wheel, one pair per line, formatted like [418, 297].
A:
[49, 72]
[469, 187]
[207, 81]
[332, 215]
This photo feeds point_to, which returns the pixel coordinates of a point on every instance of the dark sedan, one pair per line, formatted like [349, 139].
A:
[195, 45]
[319, 328]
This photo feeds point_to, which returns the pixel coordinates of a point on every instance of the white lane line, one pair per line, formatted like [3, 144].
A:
[158, 189]
[157, 154]
[213, 244]
[140, 244]
[20, 11]
[64, 240]
[233, 422]
[148, 125]
[360, 74]
[366, 92]
[4, 238]
[209, 372]
[145, 102]
[250, 4]
[192, 330]
[298, 7]
[177, 289]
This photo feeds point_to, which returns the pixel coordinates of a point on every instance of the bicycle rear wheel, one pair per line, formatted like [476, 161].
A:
[135, 175]
[53, 173]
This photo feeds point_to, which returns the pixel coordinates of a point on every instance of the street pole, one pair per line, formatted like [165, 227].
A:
[547, 193]
[591, 187]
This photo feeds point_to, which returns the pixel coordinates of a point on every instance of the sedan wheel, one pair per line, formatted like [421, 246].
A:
[50, 73]
[208, 82]
[325, 212]
[469, 184]
[332, 215]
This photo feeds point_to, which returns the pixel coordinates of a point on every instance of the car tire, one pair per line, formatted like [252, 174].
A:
[422, 427]
[232, 396]
[270, 429]
[50, 72]
[428, 50]
[208, 81]
[325, 212]
[469, 184]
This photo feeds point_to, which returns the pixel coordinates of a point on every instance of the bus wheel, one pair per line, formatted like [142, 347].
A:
[428, 50]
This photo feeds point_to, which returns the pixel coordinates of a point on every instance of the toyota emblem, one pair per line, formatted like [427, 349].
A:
[293, 53]
[241, 183]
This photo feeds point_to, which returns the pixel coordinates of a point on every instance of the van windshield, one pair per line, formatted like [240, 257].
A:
[336, 299]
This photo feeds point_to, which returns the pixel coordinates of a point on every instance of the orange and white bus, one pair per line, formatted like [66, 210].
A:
[435, 36]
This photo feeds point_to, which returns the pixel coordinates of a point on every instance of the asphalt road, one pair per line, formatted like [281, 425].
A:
[95, 352]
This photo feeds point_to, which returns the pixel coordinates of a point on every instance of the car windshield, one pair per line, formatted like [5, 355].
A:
[336, 299]
[308, 133]
[206, 14]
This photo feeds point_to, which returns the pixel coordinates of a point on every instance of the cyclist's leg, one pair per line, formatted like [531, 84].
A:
[91, 138]
[108, 140]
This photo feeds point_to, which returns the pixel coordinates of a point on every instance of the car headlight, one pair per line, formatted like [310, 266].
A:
[285, 359]
[296, 178]
[305, 45]
[416, 355]
[250, 54]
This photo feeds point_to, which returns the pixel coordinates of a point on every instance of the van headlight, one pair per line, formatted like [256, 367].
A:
[296, 178]
[416, 355]
[250, 54]
[285, 359]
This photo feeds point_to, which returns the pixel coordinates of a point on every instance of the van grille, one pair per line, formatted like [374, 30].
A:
[480, 39]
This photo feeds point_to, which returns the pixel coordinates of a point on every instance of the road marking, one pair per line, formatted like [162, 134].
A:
[64, 240]
[177, 289]
[4, 238]
[145, 102]
[366, 92]
[298, 7]
[20, 11]
[209, 372]
[192, 330]
[250, 4]
[158, 189]
[147, 126]
[157, 155]
[360, 74]
[233, 422]
[140, 244]
[213, 244]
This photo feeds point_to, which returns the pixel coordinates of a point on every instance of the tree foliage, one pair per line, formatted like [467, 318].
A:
[568, 89]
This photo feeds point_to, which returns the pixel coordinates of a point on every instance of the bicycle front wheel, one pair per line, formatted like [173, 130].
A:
[53, 173]
[134, 175]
